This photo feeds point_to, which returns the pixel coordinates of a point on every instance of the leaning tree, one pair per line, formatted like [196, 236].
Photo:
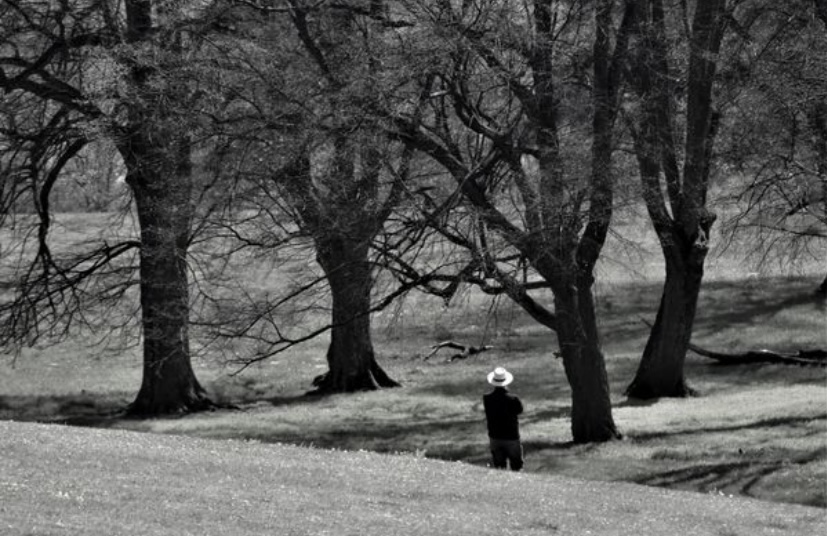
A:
[515, 104]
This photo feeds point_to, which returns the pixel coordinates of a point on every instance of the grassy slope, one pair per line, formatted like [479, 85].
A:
[60, 480]
[759, 430]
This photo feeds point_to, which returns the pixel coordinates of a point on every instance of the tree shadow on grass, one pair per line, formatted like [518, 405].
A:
[636, 403]
[623, 318]
[733, 477]
[474, 387]
[75, 409]
[748, 375]
[286, 401]
[764, 423]
[94, 410]
[722, 310]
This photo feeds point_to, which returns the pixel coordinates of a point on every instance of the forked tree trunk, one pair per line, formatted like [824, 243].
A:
[352, 364]
[683, 233]
[164, 211]
[585, 366]
[661, 369]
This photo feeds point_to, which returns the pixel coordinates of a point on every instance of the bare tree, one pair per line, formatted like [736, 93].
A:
[675, 192]
[512, 108]
[775, 135]
[120, 74]
[318, 166]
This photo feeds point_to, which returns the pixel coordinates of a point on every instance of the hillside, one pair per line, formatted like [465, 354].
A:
[60, 480]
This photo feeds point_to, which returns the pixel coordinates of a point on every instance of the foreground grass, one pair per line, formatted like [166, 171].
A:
[758, 430]
[60, 480]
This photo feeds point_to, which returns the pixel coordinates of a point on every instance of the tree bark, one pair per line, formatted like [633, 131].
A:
[585, 366]
[661, 369]
[352, 364]
[683, 234]
[159, 172]
[162, 197]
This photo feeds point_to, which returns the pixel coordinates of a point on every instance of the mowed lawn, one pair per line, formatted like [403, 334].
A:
[757, 431]
[60, 480]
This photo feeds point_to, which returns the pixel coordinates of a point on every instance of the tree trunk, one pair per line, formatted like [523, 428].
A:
[585, 366]
[350, 356]
[683, 234]
[162, 197]
[661, 369]
[157, 156]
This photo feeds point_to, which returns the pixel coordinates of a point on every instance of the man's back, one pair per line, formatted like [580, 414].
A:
[501, 411]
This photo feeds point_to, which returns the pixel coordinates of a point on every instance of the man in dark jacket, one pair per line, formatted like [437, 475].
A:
[501, 411]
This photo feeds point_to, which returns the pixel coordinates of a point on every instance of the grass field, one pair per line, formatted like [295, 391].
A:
[758, 430]
[57, 481]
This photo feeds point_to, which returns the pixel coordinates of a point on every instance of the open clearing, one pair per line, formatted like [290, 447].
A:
[59, 480]
[758, 431]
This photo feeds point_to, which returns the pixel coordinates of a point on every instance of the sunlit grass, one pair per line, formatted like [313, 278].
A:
[69, 481]
[761, 426]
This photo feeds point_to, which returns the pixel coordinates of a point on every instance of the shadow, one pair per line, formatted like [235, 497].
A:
[637, 403]
[751, 374]
[527, 386]
[731, 477]
[746, 312]
[83, 409]
[308, 398]
[452, 440]
[92, 421]
[562, 446]
[765, 423]
[78, 410]
[533, 417]
[622, 311]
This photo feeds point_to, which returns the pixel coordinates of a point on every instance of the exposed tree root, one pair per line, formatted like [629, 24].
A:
[377, 378]
[192, 404]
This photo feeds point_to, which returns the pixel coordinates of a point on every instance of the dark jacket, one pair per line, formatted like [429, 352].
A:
[501, 411]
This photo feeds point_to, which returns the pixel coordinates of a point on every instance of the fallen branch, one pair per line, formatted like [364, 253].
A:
[465, 351]
[803, 358]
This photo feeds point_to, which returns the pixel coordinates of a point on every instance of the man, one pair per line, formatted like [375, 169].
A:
[501, 411]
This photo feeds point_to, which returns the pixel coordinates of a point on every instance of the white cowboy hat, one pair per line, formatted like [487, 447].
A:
[500, 377]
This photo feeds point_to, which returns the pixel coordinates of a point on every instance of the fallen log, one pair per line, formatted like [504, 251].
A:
[802, 358]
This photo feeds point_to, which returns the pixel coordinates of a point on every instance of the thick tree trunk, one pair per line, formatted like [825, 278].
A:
[585, 366]
[159, 171]
[683, 233]
[661, 369]
[350, 356]
[162, 197]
